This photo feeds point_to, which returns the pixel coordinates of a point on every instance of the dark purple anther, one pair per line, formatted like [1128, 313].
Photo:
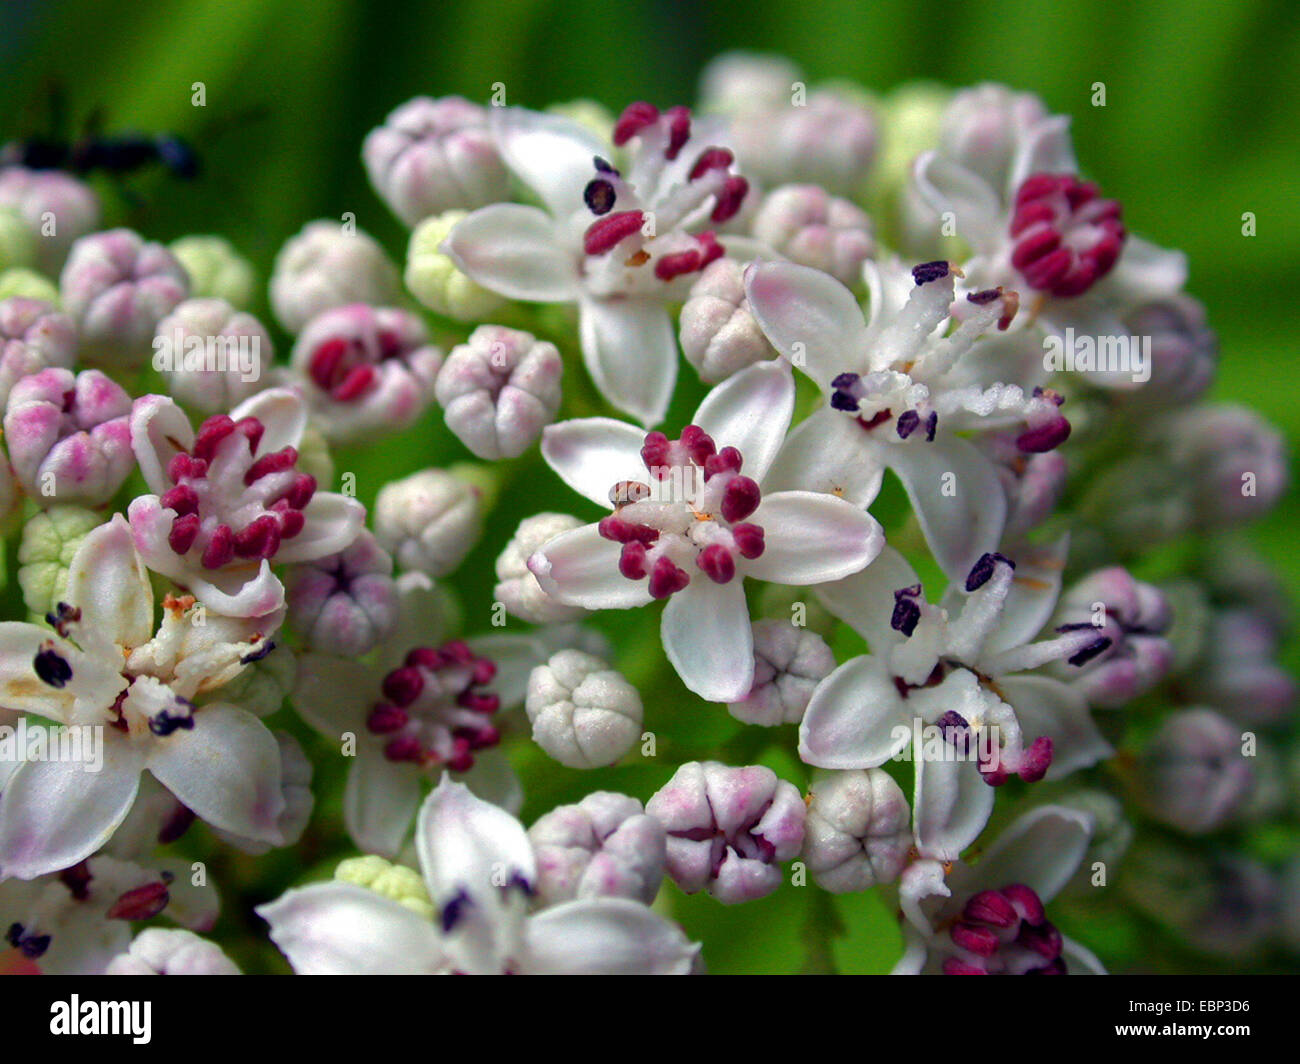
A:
[983, 569]
[926, 272]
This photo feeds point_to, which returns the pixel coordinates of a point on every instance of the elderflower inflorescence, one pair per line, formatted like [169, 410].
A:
[736, 659]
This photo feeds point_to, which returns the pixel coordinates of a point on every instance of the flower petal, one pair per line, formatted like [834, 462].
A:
[581, 568]
[108, 583]
[809, 317]
[92, 688]
[332, 523]
[379, 801]
[810, 538]
[1040, 849]
[952, 804]
[226, 769]
[1047, 707]
[829, 452]
[606, 936]
[344, 929]
[554, 156]
[949, 187]
[751, 411]
[855, 718]
[630, 351]
[593, 454]
[467, 845]
[865, 600]
[514, 250]
[708, 638]
[159, 430]
[283, 415]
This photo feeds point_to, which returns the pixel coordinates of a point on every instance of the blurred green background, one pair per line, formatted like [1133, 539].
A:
[1201, 124]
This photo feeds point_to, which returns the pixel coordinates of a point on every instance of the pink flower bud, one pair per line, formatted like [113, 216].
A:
[69, 436]
[329, 265]
[1192, 774]
[33, 335]
[345, 603]
[428, 521]
[57, 208]
[499, 390]
[788, 663]
[431, 156]
[983, 127]
[212, 355]
[718, 332]
[117, 288]
[1235, 462]
[365, 370]
[1183, 350]
[809, 226]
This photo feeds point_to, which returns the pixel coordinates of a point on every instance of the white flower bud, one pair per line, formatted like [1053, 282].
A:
[499, 390]
[788, 663]
[719, 334]
[517, 587]
[809, 226]
[584, 714]
[428, 521]
[346, 603]
[857, 834]
[436, 281]
[605, 846]
[327, 266]
[434, 155]
[211, 355]
[40, 196]
[171, 951]
[737, 81]
[216, 269]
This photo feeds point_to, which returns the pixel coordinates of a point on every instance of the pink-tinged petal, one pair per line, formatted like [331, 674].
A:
[948, 187]
[494, 779]
[957, 497]
[593, 454]
[865, 600]
[332, 523]
[810, 538]
[246, 591]
[829, 452]
[379, 801]
[1047, 707]
[855, 718]
[1146, 272]
[159, 430]
[469, 845]
[708, 638]
[554, 156]
[952, 804]
[581, 568]
[515, 250]
[631, 353]
[226, 769]
[56, 813]
[1046, 150]
[283, 415]
[751, 411]
[606, 936]
[809, 317]
[1041, 849]
[108, 583]
[342, 929]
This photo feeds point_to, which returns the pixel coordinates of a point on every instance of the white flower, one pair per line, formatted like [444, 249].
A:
[900, 389]
[989, 918]
[480, 870]
[788, 664]
[620, 247]
[517, 587]
[104, 672]
[428, 521]
[213, 386]
[229, 499]
[155, 951]
[584, 714]
[858, 833]
[499, 390]
[688, 525]
[951, 669]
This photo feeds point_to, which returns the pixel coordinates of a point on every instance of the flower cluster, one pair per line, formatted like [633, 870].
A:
[897, 577]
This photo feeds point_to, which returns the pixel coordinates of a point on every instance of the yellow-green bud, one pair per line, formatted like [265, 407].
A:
[50, 539]
[28, 284]
[403, 885]
[436, 281]
[216, 270]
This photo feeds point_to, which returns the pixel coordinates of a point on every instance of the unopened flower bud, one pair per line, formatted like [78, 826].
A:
[811, 227]
[57, 209]
[910, 117]
[33, 337]
[437, 282]
[431, 156]
[729, 828]
[1134, 617]
[1235, 461]
[584, 714]
[212, 356]
[516, 586]
[428, 521]
[171, 951]
[346, 603]
[858, 832]
[718, 332]
[216, 270]
[17, 244]
[603, 847]
[788, 664]
[28, 284]
[117, 288]
[49, 541]
[1183, 350]
[1238, 672]
[394, 881]
[499, 390]
[983, 127]
[590, 114]
[329, 265]
[365, 370]
[1193, 774]
[736, 81]
[69, 436]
